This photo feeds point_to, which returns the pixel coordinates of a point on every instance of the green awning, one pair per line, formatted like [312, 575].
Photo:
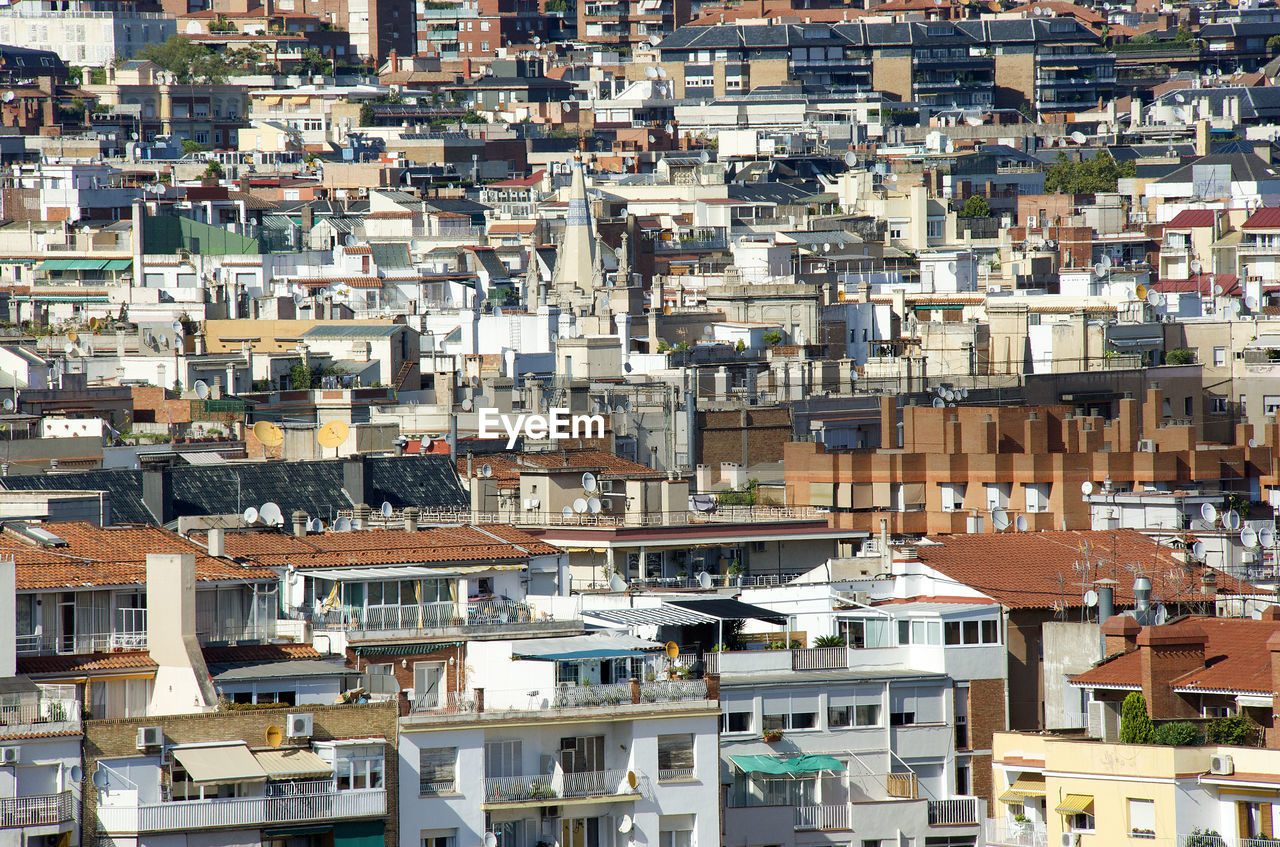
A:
[793, 766]
[415, 649]
[118, 265]
[291, 831]
[75, 264]
[945, 307]
[55, 265]
[358, 834]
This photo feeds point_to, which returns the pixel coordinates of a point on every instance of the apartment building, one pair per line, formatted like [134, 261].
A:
[86, 33]
[40, 734]
[1048, 64]
[629, 23]
[579, 741]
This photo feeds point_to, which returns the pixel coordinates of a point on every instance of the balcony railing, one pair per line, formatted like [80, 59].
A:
[819, 658]
[673, 690]
[1006, 833]
[959, 810]
[1209, 838]
[674, 774]
[193, 815]
[493, 611]
[38, 714]
[721, 514]
[567, 696]
[823, 818]
[97, 642]
[42, 810]
[559, 786]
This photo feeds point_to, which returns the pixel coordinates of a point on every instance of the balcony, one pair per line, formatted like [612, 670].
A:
[493, 613]
[1006, 833]
[959, 811]
[311, 801]
[45, 715]
[1210, 838]
[551, 789]
[570, 697]
[42, 810]
[822, 818]
[721, 514]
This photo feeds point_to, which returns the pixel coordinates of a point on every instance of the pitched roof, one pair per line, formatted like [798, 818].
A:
[1236, 658]
[1189, 218]
[132, 660]
[1037, 570]
[98, 556]
[436, 546]
[1205, 284]
[1266, 218]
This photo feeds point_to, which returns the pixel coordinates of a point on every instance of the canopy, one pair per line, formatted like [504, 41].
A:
[594, 646]
[1027, 785]
[73, 264]
[730, 610]
[656, 616]
[403, 572]
[293, 764]
[220, 763]
[787, 767]
[1076, 804]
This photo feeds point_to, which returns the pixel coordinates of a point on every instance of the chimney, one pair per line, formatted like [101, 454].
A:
[1166, 653]
[1120, 635]
[182, 683]
[157, 495]
[8, 619]
[411, 519]
[299, 524]
[353, 480]
[217, 542]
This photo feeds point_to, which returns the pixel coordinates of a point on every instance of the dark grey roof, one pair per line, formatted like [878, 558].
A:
[1256, 103]
[730, 610]
[313, 487]
[282, 670]
[1245, 167]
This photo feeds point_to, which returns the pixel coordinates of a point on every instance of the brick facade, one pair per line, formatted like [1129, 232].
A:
[110, 739]
[744, 436]
[1167, 655]
[986, 717]
[453, 655]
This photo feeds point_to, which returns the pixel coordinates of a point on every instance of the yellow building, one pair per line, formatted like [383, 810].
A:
[1076, 792]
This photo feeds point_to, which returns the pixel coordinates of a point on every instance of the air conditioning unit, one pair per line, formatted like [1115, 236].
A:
[1068, 839]
[1146, 445]
[549, 812]
[1221, 765]
[10, 755]
[150, 736]
[300, 726]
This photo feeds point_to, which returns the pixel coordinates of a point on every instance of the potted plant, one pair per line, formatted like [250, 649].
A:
[772, 735]
[735, 572]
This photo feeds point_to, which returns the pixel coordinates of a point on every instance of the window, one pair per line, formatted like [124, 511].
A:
[784, 711]
[1142, 818]
[1219, 357]
[358, 768]
[582, 753]
[675, 756]
[971, 632]
[914, 705]
[1254, 820]
[1187, 407]
[736, 722]
[1080, 822]
[919, 632]
[502, 758]
[1219, 405]
[439, 838]
[436, 770]
[962, 779]
[675, 838]
[866, 632]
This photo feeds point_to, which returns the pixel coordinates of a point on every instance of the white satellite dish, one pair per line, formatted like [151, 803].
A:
[589, 482]
[1086, 488]
[593, 505]
[651, 73]
[176, 326]
[1091, 598]
[580, 505]
[271, 514]
[625, 824]
[1198, 549]
[999, 519]
[386, 509]
[851, 158]
[490, 840]
[342, 525]
[250, 516]
[1153, 298]
[315, 525]
[486, 470]
[1099, 269]
[616, 583]
[704, 579]
[1209, 513]
[1020, 523]
[1195, 266]
[466, 405]
[1249, 537]
[939, 403]
[8, 404]
[1231, 520]
[1251, 302]
[76, 774]
[202, 389]
[298, 299]
[567, 511]
[1078, 137]
[1267, 537]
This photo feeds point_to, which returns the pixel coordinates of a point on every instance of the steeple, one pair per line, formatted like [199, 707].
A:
[578, 272]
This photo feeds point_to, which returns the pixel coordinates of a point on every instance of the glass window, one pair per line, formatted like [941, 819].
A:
[1142, 818]
[440, 838]
[804, 720]
[951, 632]
[675, 838]
[675, 755]
[971, 632]
[436, 769]
[839, 716]
[990, 631]
[582, 753]
[737, 722]
[502, 758]
[867, 714]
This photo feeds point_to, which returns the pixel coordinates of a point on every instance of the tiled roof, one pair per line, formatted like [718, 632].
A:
[1236, 658]
[1204, 284]
[1267, 218]
[436, 545]
[1036, 570]
[95, 556]
[1189, 218]
[508, 465]
[256, 653]
[132, 660]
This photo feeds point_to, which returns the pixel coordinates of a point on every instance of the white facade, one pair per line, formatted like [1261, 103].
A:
[88, 34]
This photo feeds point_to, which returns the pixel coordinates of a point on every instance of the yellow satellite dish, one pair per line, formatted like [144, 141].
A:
[274, 736]
[72, 335]
[94, 323]
[632, 780]
[333, 434]
[673, 650]
[1140, 292]
[268, 433]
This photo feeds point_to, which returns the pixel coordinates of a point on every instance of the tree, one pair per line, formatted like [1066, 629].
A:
[773, 338]
[1176, 734]
[829, 641]
[314, 62]
[213, 170]
[1180, 356]
[188, 61]
[366, 114]
[1135, 724]
[189, 147]
[1272, 43]
[1088, 176]
[976, 207]
[300, 377]
[1235, 731]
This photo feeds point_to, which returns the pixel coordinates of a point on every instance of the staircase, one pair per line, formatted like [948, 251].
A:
[405, 369]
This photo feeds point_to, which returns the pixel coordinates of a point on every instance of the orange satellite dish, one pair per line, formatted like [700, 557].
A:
[332, 434]
[268, 433]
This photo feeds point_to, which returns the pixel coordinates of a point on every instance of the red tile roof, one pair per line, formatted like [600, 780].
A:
[130, 660]
[1205, 284]
[438, 545]
[258, 653]
[98, 556]
[1037, 570]
[1236, 658]
[520, 182]
[1189, 218]
[1268, 218]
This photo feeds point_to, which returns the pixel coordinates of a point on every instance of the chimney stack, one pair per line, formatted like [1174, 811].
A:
[411, 519]
[299, 524]
[183, 685]
[217, 542]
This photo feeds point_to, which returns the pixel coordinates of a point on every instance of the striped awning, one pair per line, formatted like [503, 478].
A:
[293, 764]
[1027, 785]
[1075, 804]
[414, 649]
[657, 616]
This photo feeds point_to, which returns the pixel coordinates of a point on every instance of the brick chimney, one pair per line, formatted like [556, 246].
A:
[1121, 634]
[1168, 652]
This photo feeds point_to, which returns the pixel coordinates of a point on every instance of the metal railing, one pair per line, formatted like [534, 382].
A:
[1000, 832]
[38, 713]
[572, 696]
[819, 658]
[192, 815]
[721, 514]
[557, 786]
[42, 810]
[493, 611]
[958, 810]
[80, 643]
[455, 702]
[824, 818]
[566, 696]
[674, 774]
[673, 690]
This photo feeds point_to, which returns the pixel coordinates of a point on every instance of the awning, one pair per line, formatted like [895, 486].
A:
[730, 610]
[271, 100]
[293, 764]
[1075, 804]
[1027, 785]
[220, 763]
[594, 646]
[1257, 701]
[402, 572]
[118, 265]
[358, 834]
[946, 307]
[657, 616]
[793, 766]
[291, 831]
[414, 649]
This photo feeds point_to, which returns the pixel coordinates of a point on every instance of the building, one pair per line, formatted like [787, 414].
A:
[86, 33]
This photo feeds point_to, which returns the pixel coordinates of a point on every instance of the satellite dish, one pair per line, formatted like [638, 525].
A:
[1195, 266]
[1078, 137]
[1106, 260]
[250, 515]
[567, 511]
[1091, 598]
[342, 525]
[939, 403]
[333, 434]
[8, 404]
[1266, 537]
[616, 583]
[704, 579]
[1153, 298]
[1020, 523]
[274, 736]
[271, 514]
[1209, 513]
[999, 519]
[486, 470]
[490, 840]
[77, 773]
[70, 350]
[1099, 269]
[593, 505]
[672, 649]
[466, 405]
[632, 779]
[580, 505]
[385, 510]
[1231, 520]
[651, 73]
[851, 158]
[176, 326]
[1249, 537]
[72, 335]
[589, 482]
[298, 299]
[1251, 302]
[268, 434]
[1086, 488]
[99, 776]
[315, 525]
[426, 444]
[625, 824]
[202, 389]
[9, 97]
[1198, 549]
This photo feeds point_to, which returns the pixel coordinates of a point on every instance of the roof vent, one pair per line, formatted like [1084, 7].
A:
[34, 535]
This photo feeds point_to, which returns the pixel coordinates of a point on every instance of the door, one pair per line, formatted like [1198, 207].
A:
[428, 684]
